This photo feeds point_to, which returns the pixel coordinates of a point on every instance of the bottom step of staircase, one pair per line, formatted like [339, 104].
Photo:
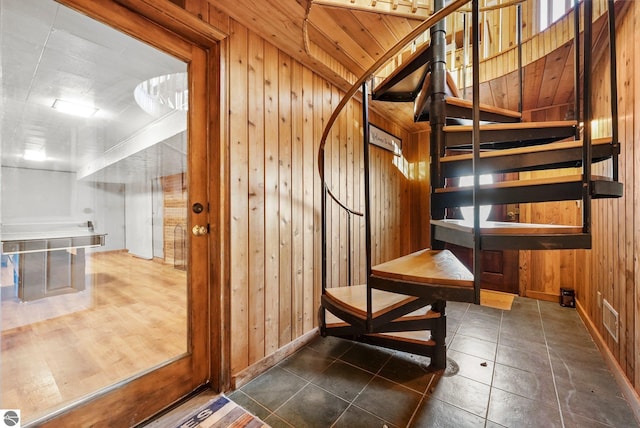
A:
[413, 332]
[430, 274]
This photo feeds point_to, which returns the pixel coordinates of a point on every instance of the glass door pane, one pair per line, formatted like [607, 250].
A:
[93, 210]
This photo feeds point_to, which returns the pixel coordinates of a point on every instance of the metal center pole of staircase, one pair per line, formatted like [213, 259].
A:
[477, 259]
[437, 113]
[576, 62]
[520, 71]
[586, 107]
[614, 88]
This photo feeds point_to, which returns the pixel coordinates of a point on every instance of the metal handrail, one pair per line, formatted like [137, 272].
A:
[425, 25]
[342, 205]
[350, 213]
[361, 82]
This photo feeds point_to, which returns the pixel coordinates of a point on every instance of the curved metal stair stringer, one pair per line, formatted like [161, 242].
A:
[395, 318]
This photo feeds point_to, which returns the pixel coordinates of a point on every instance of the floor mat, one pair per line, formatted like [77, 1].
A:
[496, 299]
[222, 413]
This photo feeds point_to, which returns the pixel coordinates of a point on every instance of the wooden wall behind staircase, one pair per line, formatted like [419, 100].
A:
[612, 267]
[277, 112]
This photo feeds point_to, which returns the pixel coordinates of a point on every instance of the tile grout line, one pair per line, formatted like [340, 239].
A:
[352, 402]
[308, 382]
[425, 393]
[422, 399]
[553, 375]
[493, 371]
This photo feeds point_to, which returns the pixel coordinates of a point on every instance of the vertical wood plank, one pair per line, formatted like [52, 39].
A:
[256, 236]
[634, 192]
[239, 205]
[351, 179]
[309, 171]
[336, 188]
[318, 127]
[297, 200]
[344, 181]
[358, 242]
[626, 94]
[284, 202]
[272, 185]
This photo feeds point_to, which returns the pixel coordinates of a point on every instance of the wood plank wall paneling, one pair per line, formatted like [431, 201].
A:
[543, 273]
[498, 51]
[611, 267]
[277, 112]
[256, 166]
[613, 260]
[238, 148]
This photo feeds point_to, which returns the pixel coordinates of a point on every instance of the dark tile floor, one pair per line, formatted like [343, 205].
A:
[533, 366]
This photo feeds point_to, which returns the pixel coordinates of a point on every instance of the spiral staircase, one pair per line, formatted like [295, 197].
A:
[402, 305]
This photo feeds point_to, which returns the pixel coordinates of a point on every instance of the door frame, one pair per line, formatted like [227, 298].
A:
[176, 32]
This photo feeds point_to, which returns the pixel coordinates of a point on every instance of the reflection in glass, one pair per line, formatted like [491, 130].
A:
[93, 208]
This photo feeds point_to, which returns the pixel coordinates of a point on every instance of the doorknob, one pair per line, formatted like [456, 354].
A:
[199, 230]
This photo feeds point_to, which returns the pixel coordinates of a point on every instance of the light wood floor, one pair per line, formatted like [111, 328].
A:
[54, 351]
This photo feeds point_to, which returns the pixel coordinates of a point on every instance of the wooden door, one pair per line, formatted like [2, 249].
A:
[500, 268]
[136, 398]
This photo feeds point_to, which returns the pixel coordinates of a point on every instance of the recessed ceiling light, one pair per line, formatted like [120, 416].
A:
[34, 155]
[73, 108]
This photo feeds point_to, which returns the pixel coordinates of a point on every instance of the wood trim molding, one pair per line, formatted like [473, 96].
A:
[624, 383]
[246, 375]
[541, 295]
[176, 19]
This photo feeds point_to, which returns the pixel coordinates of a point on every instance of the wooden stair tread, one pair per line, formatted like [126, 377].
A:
[524, 183]
[511, 126]
[422, 337]
[357, 302]
[508, 228]
[561, 145]
[354, 299]
[461, 102]
[429, 267]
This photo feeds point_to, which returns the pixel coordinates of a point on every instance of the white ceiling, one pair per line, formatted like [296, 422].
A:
[48, 51]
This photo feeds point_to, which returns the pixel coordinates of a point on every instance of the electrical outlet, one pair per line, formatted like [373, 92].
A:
[599, 299]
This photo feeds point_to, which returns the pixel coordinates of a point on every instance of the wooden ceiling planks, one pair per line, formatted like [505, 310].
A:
[343, 42]
[360, 32]
[408, 9]
[317, 37]
[377, 26]
[271, 24]
[329, 33]
[400, 26]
